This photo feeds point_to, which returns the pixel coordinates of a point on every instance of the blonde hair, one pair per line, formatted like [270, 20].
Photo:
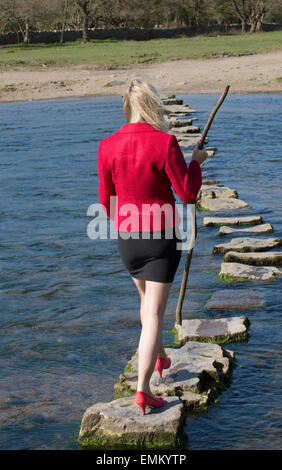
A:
[142, 100]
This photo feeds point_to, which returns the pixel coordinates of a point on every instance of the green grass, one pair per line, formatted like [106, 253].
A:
[122, 52]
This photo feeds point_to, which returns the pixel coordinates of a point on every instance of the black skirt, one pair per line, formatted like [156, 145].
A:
[150, 258]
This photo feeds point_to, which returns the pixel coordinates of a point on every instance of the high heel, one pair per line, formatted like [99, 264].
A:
[142, 399]
[161, 364]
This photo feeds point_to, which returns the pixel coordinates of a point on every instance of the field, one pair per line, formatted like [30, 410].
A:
[123, 52]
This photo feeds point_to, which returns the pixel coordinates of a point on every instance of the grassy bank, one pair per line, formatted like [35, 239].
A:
[118, 52]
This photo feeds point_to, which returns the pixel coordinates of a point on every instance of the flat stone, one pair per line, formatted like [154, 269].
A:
[186, 130]
[196, 401]
[245, 220]
[178, 108]
[221, 204]
[221, 330]
[263, 228]
[121, 423]
[185, 373]
[176, 115]
[211, 182]
[235, 298]
[272, 258]
[171, 101]
[243, 244]
[167, 96]
[172, 122]
[210, 154]
[212, 191]
[188, 141]
[241, 272]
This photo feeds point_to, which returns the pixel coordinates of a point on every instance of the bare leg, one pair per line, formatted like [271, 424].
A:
[153, 308]
[141, 287]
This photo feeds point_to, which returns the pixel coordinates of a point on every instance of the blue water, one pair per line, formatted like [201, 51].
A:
[69, 310]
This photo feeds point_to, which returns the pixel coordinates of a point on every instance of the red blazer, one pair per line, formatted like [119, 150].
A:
[140, 164]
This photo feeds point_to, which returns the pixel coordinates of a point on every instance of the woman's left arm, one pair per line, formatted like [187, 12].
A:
[106, 189]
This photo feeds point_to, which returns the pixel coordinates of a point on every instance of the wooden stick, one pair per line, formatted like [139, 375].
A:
[211, 118]
[194, 220]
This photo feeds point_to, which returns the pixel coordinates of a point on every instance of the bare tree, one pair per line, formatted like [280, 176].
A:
[252, 12]
[64, 21]
[24, 16]
[85, 7]
[258, 12]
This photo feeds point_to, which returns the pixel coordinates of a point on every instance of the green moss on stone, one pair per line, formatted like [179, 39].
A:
[175, 342]
[254, 222]
[228, 279]
[106, 440]
[240, 337]
[128, 367]
[275, 261]
[122, 389]
[199, 207]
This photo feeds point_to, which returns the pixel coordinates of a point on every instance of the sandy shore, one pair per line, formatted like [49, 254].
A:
[245, 74]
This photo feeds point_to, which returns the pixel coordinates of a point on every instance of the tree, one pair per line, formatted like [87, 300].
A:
[258, 11]
[250, 11]
[64, 21]
[85, 7]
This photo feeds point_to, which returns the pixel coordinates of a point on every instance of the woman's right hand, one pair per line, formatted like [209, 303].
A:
[199, 155]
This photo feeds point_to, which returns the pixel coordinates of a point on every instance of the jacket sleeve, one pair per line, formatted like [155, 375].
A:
[186, 180]
[106, 187]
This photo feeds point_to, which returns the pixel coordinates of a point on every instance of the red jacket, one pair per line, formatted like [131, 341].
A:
[139, 164]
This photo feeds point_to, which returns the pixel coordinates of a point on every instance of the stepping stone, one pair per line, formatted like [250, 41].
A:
[235, 298]
[263, 228]
[213, 191]
[171, 101]
[178, 108]
[245, 220]
[121, 423]
[247, 244]
[180, 122]
[221, 204]
[222, 330]
[168, 96]
[211, 182]
[177, 115]
[243, 272]
[210, 154]
[196, 401]
[186, 373]
[186, 130]
[272, 258]
[189, 141]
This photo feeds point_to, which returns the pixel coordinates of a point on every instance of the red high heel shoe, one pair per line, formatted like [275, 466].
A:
[142, 399]
[161, 364]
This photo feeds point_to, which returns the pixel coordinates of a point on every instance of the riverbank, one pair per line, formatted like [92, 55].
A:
[258, 73]
[67, 331]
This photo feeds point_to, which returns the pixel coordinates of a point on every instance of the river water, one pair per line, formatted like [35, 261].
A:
[69, 310]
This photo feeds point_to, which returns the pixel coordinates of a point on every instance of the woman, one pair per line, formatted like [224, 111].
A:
[137, 166]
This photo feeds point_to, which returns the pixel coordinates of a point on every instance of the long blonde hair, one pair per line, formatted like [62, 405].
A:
[142, 99]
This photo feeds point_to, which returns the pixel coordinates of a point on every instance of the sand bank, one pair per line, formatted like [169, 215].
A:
[246, 74]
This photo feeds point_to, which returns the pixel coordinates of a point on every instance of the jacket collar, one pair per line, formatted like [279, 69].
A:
[137, 127]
